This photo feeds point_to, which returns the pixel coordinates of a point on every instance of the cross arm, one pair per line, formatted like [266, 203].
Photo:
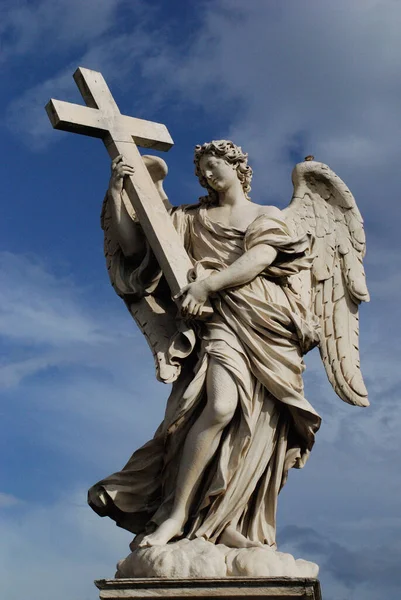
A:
[76, 118]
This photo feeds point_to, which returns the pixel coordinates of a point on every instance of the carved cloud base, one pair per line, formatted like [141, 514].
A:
[197, 559]
[274, 588]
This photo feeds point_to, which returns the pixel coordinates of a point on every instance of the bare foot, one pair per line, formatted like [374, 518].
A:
[136, 541]
[233, 539]
[168, 530]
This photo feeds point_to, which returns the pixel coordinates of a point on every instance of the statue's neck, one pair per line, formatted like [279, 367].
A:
[233, 196]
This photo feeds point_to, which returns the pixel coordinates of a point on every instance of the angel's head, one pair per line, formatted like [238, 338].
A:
[217, 163]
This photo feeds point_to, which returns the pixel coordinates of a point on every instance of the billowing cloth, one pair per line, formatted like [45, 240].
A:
[259, 332]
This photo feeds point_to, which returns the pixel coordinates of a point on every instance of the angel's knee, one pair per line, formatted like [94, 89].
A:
[222, 395]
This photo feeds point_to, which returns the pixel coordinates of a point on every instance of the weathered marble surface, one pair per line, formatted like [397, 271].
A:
[236, 587]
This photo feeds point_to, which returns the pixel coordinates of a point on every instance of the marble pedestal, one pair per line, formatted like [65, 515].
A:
[274, 588]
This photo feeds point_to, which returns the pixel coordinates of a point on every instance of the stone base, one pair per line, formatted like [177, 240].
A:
[198, 559]
[251, 588]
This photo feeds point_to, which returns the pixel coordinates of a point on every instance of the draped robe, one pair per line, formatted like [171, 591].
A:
[259, 332]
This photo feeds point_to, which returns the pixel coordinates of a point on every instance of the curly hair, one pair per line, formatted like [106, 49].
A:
[233, 155]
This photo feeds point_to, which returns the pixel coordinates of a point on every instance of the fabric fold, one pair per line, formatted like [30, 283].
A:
[258, 333]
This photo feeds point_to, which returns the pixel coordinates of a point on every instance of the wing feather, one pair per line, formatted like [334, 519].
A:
[324, 207]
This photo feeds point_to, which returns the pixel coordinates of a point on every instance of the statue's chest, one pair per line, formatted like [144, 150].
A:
[223, 249]
[234, 219]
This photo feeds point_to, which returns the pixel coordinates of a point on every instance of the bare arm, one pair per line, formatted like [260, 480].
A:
[243, 270]
[129, 233]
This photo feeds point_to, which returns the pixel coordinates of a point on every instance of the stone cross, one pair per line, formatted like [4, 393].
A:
[121, 134]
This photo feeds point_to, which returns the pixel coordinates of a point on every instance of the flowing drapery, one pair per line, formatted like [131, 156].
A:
[259, 332]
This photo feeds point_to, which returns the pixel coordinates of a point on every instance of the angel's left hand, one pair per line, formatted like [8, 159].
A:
[196, 294]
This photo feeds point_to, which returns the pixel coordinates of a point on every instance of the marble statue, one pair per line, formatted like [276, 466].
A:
[280, 283]
[230, 295]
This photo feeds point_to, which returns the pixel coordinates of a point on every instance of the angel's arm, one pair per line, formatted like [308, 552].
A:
[248, 266]
[129, 235]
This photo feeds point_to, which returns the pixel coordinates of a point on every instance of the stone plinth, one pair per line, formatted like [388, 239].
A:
[231, 587]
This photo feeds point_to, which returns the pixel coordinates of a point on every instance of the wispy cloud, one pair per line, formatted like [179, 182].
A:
[75, 364]
[94, 32]
[60, 548]
[361, 572]
[72, 394]
[296, 79]
[287, 97]
[38, 307]
[284, 81]
[115, 58]
[8, 501]
[63, 24]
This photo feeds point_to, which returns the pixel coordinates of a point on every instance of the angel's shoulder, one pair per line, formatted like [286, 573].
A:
[269, 211]
[183, 212]
[186, 208]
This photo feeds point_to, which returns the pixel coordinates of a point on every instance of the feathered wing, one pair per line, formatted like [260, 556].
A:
[152, 308]
[323, 207]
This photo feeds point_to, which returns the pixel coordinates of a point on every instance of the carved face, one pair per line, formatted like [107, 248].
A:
[219, 174]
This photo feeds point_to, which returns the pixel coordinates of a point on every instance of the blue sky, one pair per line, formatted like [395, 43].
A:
[283, 80]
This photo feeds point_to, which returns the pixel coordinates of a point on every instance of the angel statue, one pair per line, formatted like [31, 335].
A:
[280, 282]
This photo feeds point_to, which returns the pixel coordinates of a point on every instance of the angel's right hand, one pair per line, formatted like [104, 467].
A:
[119, 169]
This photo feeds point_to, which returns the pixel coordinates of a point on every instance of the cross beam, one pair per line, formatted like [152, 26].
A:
[121, 134]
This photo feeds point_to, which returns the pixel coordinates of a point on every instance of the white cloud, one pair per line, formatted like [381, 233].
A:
[313, 77]
[347, 572]
[48, 326]
[84, 418]
[58, 549]
[8, 500]
[64, 24]
[305, 76]
[113, 56]
[309, 77]
[91, 32]
[36, 307]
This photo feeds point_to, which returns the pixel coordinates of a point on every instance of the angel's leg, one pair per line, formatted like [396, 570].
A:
[199, 448]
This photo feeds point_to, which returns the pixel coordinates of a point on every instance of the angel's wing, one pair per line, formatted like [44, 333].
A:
[323, 207]
[154, 312]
